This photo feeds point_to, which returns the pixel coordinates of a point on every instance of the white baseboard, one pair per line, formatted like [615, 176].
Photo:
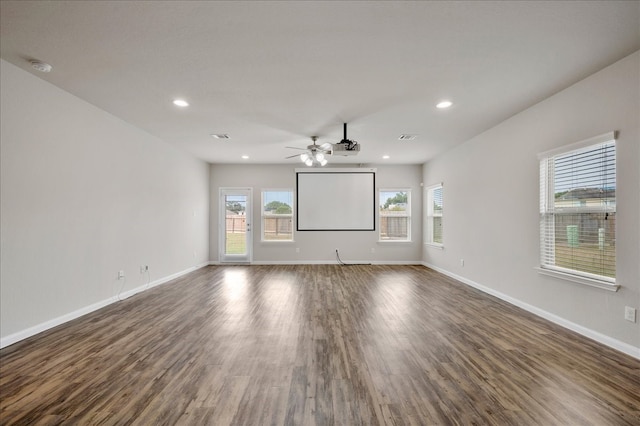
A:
[321, 262]
[334, 262]
[587, 332]
[39, 328]
[594, 335]
[158, 282]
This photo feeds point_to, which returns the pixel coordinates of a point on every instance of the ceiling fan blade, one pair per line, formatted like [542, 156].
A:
[293, 147]
[292, 156]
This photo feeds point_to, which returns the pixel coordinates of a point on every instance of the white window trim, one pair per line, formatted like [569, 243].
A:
[428, 238]
[407, 215]
[592, 280]
[605, 137]
[434, 245]
[262, 216]
[566, 276]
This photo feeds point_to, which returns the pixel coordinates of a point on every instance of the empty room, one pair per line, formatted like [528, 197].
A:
[320, 212]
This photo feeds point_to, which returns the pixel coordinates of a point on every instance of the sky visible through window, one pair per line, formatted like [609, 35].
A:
[236, 198]
[594, 168]
[386, 195]
[285, 197]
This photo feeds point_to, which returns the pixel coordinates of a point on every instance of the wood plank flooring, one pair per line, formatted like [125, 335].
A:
[315, 345]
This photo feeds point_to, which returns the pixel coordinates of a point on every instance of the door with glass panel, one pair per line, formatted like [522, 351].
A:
[235, 225]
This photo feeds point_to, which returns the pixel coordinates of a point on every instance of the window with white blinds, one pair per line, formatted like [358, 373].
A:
[435, 209]
[578, 210]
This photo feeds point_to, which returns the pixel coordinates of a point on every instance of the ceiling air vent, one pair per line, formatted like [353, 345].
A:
[407, 137]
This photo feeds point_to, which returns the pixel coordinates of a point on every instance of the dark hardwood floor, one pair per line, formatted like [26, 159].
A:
[315, 345]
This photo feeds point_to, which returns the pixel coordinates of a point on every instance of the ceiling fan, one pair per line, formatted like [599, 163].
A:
[314, 154]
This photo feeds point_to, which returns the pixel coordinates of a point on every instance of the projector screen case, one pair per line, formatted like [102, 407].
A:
[335, 199]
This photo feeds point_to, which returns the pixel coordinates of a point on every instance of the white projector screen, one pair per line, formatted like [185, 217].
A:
[336, 200]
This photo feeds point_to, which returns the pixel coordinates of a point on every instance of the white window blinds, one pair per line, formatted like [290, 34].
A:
[578, 209]
[435, 209]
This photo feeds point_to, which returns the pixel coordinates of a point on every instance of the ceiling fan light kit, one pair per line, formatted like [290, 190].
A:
[316, 154]
[313, 158]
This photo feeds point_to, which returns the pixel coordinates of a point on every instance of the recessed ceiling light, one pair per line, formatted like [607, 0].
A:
[41, 66]
[245, 157]
[180, 103]
[220, 136]
[386, 157]
[444, 104]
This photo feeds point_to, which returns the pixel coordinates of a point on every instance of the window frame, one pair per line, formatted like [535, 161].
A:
[548, 212]
[407, 215]
[430, 215]
[264, 216]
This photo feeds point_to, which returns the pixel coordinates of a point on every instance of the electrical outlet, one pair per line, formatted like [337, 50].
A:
[144, 268]
[461, 262]
[630, 313]
[297, 249]
[120, 275]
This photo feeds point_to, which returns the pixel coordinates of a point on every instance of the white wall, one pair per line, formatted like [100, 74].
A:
[85, 195]
[319, 246]
[491, 204]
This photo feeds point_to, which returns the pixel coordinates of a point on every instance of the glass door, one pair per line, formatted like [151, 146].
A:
[235, 225]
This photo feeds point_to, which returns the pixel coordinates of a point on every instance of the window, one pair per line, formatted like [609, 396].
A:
[277, 215]
[434, 209]
[578, 211]
[395, 215]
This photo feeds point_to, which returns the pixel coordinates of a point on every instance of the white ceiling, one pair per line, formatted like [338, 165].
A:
[272, 74]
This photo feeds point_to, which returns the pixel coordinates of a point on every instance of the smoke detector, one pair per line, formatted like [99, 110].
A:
[41, 66]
